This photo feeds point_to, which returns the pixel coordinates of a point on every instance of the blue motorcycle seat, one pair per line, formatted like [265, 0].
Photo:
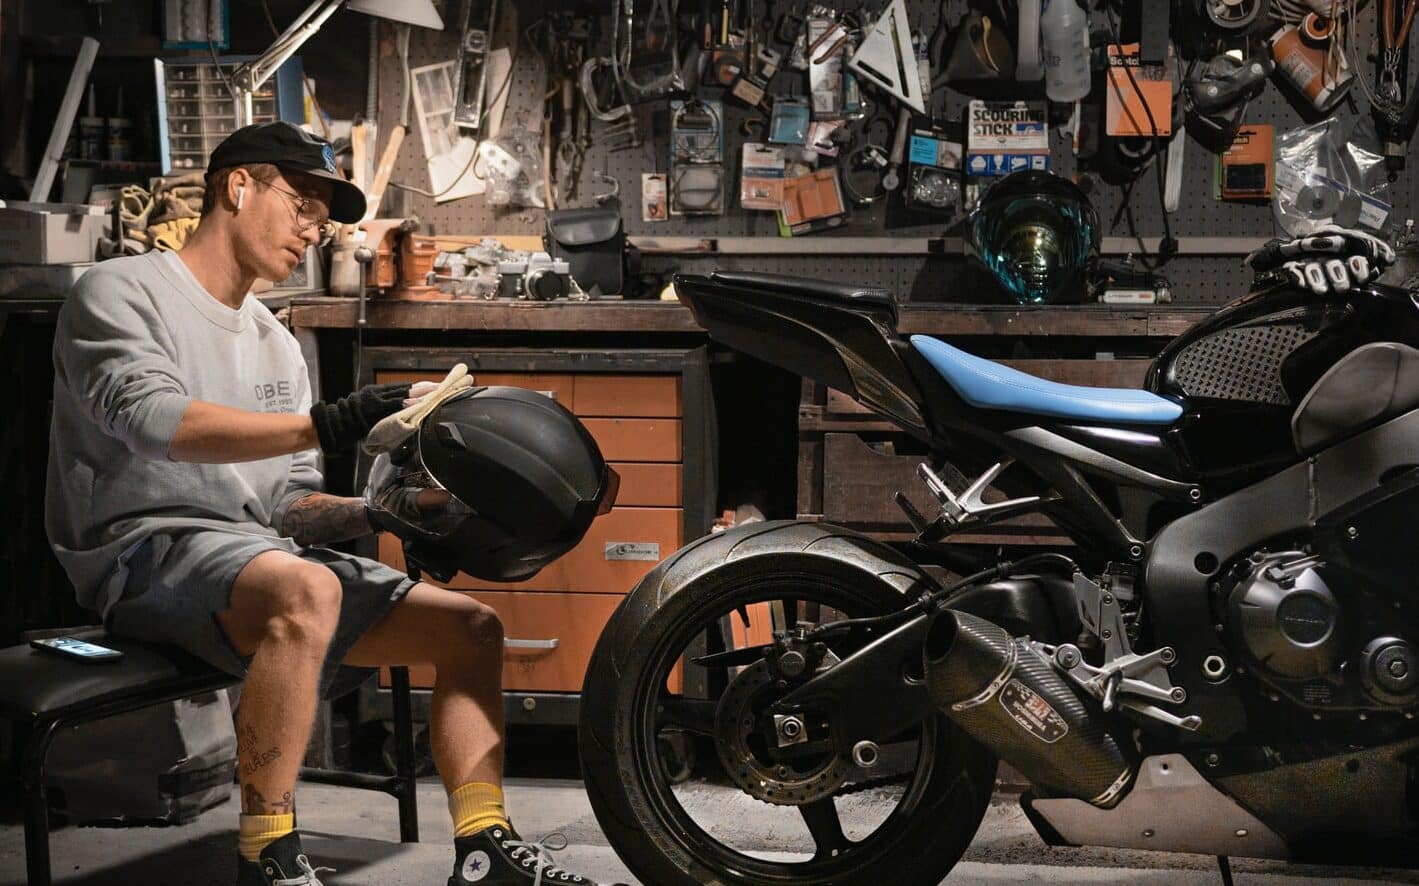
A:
[988, 385]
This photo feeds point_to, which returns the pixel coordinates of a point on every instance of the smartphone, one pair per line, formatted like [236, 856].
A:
[73, 647]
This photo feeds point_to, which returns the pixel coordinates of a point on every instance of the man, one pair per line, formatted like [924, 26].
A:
[184, 502]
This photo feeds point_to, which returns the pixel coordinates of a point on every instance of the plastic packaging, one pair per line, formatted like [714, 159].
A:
[1329, 174]
[1064, 31]
[511, 163]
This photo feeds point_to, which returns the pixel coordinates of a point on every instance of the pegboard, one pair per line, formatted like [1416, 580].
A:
[1195, 279]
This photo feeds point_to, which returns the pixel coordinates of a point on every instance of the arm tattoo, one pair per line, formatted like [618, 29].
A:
[319, 519]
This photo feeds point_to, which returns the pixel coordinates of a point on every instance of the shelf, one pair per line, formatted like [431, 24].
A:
[1164, 321]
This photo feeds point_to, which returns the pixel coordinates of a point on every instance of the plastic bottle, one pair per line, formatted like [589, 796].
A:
[1064, 31]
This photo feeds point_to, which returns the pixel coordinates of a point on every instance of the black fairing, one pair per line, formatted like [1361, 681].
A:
[1244, 369]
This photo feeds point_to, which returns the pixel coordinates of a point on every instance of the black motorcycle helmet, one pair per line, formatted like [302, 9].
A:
[497, 482]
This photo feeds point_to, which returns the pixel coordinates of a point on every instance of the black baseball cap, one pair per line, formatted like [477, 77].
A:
[295, 150]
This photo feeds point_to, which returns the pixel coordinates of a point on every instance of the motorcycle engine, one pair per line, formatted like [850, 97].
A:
[1285, 618]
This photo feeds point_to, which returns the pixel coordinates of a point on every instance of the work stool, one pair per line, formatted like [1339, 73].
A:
[50, 693]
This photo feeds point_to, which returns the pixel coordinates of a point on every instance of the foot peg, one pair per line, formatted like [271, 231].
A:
[970, 506]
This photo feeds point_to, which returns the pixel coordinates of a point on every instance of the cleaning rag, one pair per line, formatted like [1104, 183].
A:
[389, 432]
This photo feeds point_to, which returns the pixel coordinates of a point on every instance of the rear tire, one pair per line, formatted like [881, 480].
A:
[627, 784]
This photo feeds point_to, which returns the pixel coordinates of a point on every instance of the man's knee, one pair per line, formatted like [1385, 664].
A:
[306, 607]
[479, 634]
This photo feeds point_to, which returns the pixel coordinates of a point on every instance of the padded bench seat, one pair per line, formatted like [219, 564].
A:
[50, 692]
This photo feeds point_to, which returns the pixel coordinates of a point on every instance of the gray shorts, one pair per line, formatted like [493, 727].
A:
[175, 584]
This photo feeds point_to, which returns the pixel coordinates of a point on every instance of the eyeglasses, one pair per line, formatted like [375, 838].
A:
[306, 215]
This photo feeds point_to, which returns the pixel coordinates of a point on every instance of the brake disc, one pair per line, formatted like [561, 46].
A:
[785, 782]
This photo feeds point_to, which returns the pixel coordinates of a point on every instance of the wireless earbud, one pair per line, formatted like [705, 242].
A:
[241, 195]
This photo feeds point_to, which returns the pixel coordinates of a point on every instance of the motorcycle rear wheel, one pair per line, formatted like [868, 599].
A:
[626, 705]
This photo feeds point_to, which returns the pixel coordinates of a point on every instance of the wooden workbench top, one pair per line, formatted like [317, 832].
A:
[655, 316]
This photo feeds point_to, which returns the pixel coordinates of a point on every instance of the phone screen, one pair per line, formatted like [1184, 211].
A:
[75, 646]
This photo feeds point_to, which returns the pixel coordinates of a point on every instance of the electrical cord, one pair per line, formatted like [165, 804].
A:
[1168, 246]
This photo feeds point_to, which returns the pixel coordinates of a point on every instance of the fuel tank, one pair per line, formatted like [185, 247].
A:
[1245, 370]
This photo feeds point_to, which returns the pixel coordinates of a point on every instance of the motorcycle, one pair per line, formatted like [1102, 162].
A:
[1228, 665]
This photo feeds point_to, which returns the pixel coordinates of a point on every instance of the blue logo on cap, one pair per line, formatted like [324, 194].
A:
[327, 156]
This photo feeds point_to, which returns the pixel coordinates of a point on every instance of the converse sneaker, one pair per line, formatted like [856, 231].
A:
[283, 863]
[497, 856]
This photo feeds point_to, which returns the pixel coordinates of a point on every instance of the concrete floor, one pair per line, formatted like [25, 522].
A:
[353, 832]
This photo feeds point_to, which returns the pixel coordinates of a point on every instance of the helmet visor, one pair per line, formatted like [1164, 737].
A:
[409, 494]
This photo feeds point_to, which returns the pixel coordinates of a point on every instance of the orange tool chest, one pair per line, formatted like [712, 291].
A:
[655, 436]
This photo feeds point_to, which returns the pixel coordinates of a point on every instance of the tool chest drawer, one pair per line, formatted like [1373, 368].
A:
[549, 639]
[629, 396]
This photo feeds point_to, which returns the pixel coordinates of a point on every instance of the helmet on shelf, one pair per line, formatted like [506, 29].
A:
[1035, 231]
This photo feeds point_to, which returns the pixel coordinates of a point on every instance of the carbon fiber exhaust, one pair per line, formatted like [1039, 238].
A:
[1007, 697]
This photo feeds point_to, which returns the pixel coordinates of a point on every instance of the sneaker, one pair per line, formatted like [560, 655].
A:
[497, 856]
[283, 863]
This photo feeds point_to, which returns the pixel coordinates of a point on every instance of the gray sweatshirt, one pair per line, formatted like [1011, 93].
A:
[138, 340]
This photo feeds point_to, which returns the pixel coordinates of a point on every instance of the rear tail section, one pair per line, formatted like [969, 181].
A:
[838, 335]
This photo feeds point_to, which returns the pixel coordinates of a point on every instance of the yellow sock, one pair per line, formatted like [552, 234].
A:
[476, 806]
[256, 832]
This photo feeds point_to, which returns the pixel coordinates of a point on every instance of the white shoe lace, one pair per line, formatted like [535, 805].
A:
[539, 852]
[308, 875]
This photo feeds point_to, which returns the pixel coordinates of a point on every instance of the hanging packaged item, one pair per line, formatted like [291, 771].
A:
[1138, 104]
[697, 189]
[828, 44]
[761, 176]
[933, 179]
[1244, 171]
[812, 202]
[696, 157]
[1006, 137]
[790, 121]
[654, 197]
[820, 137]
[1328, 174]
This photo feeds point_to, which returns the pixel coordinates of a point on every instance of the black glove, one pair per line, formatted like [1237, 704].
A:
[1333, 259]
[342, 424]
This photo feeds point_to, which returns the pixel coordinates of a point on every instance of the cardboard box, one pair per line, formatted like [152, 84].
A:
[163, 764]
[49, 233]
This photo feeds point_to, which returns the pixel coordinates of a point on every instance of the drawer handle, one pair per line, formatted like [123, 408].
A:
[553, 643]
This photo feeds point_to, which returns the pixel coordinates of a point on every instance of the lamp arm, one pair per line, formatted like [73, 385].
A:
[250, 76]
